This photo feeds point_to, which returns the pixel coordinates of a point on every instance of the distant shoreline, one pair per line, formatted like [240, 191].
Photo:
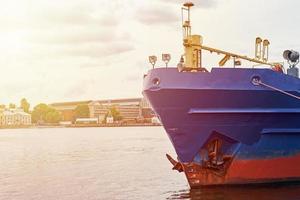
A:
[79, 126]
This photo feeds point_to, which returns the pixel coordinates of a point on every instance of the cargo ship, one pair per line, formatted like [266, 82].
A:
[228, 125]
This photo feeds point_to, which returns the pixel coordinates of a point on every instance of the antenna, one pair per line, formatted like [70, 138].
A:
[186, 23]
[192, 43]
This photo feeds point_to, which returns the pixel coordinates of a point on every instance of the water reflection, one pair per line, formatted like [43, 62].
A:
[279, 192]
[103, 163]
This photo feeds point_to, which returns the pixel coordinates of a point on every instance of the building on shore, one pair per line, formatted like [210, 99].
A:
[87, 121]
[131, 110]
[146, 110]
[109, 120]
[14, 117]
[67, 109]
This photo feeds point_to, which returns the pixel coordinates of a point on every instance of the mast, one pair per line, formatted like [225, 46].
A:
[192, 43]
[193, 46]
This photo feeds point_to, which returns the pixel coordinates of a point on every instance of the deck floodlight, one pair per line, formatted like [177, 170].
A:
[166, 58]
[152, 60]
[291, 56]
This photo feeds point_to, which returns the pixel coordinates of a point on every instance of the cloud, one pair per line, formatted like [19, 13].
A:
[78, 29]
[133, 77]
[58, 53]
[73, 16]
[73, 36]
[47, 14]
[152, 15]
[91, 65]
[97, 51]
[198, 3]
[167, 11]
[57, 44]
[78, 90]
[69, 15]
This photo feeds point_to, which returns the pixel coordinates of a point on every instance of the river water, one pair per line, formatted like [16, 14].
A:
[103, 163]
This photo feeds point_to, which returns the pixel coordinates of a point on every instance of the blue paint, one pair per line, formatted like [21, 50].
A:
[192, 106]
[242, 110]
[271, 146]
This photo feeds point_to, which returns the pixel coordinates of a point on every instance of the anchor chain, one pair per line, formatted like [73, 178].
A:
[257, 81]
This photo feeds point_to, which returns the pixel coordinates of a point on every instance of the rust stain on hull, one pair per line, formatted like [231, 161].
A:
[245, 172]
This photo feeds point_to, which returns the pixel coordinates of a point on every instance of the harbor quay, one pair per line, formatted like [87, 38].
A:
[112, 112]
[89, 113]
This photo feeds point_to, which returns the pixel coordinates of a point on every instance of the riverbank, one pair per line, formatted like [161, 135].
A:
[17, 126]
[79, 126]
[112, 125]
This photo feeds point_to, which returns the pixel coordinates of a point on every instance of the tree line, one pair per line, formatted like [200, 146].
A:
[23, 104]
[43, 113]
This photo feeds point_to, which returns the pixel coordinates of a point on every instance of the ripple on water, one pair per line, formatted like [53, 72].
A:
[103, 163]
[262, 192]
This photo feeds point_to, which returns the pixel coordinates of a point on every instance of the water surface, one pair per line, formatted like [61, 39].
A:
[103, 163]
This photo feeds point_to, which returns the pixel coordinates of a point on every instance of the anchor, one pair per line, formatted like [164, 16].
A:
[176, 165]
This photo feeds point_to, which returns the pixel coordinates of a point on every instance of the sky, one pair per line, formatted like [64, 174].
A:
[55, 51]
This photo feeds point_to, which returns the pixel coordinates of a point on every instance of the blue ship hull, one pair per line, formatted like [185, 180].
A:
[220, 120]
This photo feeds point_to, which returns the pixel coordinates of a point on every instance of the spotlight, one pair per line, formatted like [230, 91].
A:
[152, 60]
[166, 58]
[291, 56]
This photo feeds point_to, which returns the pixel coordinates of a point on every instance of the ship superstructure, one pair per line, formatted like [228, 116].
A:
[230, 125]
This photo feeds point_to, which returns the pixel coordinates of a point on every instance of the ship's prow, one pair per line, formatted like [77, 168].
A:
[226, 128]
[230, 125]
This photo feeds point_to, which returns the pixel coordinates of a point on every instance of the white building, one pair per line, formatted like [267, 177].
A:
[109, 120]
[155, 120]
[87, 121]
[130, 109]
[14, 117]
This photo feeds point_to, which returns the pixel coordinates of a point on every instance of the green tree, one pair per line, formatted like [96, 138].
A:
[39, 112]
[2, 106]
[82, 111]
[115, 113]
[25, 105]
[44, 113]
[12, 106]
[53, 116]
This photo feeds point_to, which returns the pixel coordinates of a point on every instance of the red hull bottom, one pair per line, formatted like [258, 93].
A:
[284, 169]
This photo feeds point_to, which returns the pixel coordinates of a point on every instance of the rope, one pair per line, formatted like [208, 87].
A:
[276, 89]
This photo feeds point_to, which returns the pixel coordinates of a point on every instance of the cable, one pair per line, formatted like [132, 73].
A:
[259, 82]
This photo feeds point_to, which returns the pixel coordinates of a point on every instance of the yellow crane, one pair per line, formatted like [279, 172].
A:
[193, 46]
